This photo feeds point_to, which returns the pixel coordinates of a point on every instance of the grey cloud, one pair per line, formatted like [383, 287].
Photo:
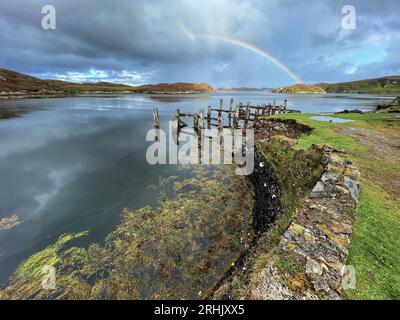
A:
[153, 38]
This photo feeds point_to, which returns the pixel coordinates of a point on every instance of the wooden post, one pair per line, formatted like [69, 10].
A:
[201, 119]
[209, 118]
[196, 122]
[230, 115]
[221, 103]
[236, 117]
[156, 119]
[247, 114]
[231, 102]
[246, 118]
[285, 104]
[175, 130]
[220, 123]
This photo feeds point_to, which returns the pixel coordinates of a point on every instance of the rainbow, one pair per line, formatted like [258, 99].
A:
[253, 48]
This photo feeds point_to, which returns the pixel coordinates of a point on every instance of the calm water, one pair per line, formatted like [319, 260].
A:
[73, 164]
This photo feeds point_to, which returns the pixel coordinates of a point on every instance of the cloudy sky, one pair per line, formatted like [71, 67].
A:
[223, 42]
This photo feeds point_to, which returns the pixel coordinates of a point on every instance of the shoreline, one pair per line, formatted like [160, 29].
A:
[85, 94]
[113, 94]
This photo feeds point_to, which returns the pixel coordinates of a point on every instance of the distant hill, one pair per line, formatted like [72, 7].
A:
[300, 88]
[12, 82]
[384, 85]
[243, 89]
[18, 84]
[103, 87]
[177, 87]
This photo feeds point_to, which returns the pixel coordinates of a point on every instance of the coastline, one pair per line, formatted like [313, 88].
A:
[89, 93]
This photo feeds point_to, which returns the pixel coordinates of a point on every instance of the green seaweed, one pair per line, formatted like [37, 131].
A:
[176, 250]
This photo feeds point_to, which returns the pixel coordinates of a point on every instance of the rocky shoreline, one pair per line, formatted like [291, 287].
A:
[61, 94]
[310, 259]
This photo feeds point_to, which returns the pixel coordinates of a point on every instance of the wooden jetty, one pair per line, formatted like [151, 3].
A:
[238, 117]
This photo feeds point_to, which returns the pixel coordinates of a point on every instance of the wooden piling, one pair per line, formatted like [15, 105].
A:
[201, 119]
[175, 130]
[209, 118]
[220, 123]
[196, 122]
[236, 117]
[156, 119]
[230, 115]
[246, 118]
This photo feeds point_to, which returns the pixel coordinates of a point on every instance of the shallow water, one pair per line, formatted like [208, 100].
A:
[73, 164]
[331, 119]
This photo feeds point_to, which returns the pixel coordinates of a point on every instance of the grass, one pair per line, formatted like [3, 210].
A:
[375, 247]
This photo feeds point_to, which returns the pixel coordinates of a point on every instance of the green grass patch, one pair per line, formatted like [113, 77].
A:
[323, 133]
[375, 250]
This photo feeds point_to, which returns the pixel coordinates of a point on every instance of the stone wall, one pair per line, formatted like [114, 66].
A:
[310, 259]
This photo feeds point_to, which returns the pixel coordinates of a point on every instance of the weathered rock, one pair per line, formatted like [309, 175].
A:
[354, 186]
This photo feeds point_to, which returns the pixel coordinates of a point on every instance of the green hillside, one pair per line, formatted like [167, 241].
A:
[301, 88]
[18, 84]
[385, 85]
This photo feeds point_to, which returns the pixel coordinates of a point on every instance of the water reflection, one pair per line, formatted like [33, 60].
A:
[179, 98]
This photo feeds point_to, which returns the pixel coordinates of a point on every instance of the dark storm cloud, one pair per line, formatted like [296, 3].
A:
[152, 41]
